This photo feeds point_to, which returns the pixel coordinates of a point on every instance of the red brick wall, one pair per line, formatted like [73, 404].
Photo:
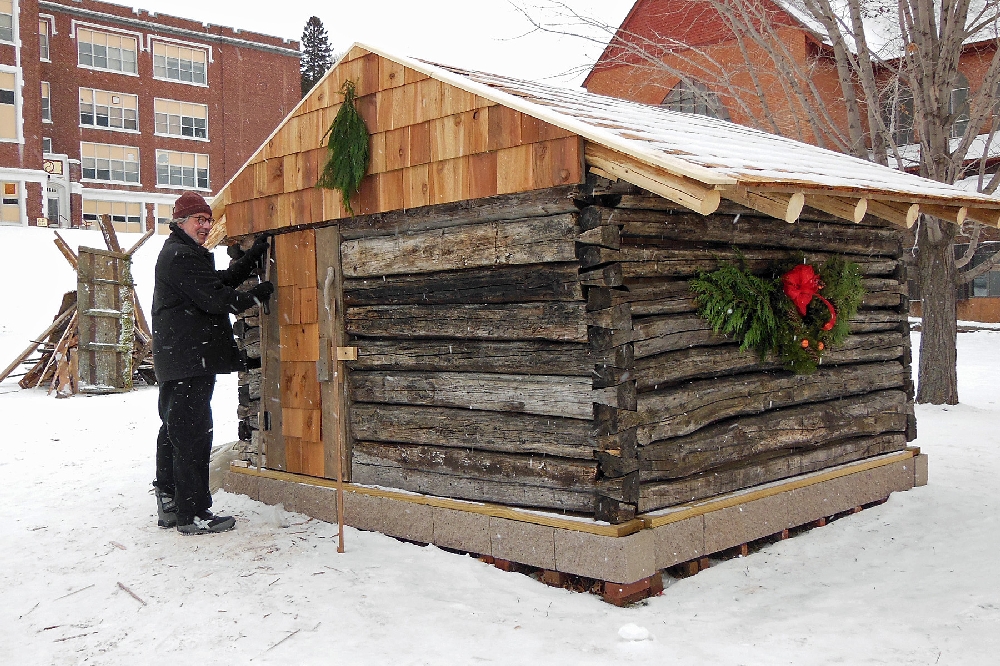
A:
[28, 156]
[249, 92]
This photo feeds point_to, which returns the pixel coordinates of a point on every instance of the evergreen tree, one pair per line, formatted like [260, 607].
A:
[316, 53]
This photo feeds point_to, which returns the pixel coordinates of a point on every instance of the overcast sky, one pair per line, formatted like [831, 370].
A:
[479, 34]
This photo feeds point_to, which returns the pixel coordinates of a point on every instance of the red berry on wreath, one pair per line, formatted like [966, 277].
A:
[805, 343]
[820, 346]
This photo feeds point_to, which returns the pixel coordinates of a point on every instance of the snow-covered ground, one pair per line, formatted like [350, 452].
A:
[86, 577]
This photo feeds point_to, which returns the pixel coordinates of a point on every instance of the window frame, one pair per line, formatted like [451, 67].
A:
[49, 22]
[109, 128]
[120, 226]
[49, 151]
[694, 97]
[154, 41]
[180, 117]
[95, 179]
[46, 101]
[17, 104]
[169, 186]
[106, 30]
[13, 23]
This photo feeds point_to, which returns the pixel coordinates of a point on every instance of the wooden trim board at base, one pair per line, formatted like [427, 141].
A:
[495, 510]
[654, 520]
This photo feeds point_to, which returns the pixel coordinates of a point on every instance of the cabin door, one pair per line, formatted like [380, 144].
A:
[303, 392]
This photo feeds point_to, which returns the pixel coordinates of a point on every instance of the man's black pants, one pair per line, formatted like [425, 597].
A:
[184, 445]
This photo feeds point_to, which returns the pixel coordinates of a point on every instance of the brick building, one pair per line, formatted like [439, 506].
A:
[109, 110]
[723, 77]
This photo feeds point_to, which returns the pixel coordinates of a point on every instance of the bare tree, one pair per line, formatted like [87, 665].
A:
[900, 101]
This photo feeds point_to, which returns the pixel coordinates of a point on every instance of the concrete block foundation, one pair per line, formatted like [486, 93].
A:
[620, 554]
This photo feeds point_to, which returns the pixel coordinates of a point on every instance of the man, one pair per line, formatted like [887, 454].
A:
[193, 342]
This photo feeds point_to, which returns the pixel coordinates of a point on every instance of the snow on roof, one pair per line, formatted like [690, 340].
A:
[713, 151]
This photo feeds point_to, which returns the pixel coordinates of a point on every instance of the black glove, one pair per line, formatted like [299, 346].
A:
[262, 292]
[259, 247]
[235, 251]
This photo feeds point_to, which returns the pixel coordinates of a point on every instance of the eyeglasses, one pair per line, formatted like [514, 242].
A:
[209, 221]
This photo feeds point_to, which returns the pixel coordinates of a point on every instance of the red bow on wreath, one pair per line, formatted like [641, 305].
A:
[801, 285]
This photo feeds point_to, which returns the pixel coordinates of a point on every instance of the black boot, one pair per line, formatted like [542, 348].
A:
[166, 509]
[205, 522]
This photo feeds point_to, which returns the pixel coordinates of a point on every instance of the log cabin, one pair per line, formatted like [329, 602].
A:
[503, 329]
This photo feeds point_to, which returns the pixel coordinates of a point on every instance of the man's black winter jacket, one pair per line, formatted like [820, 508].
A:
[192, 334]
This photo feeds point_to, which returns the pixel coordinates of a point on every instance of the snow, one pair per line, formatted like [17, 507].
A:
[912, 581]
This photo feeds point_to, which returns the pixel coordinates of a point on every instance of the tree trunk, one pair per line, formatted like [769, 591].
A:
[938, 380]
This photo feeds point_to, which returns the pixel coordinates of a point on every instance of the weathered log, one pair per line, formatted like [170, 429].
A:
[490, 431]
[655, 229]
[531, 241]
[536, 203]
[644, 262]
[657, 495]
[526, 469]
[558, 321]
[477, 490]
[605, 236]
[655, 335]
[662, 370]
[606, 276]
[869, 321]
[571, 397]
[683, 409]
[625, 489]
[498, 284]
[729, 442]
[612, 511]
[527, 357]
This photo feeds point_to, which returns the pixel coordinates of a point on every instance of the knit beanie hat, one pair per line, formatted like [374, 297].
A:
[190, 203]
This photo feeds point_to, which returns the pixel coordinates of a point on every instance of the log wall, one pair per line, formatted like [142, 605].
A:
[475, 374]
[708, 418]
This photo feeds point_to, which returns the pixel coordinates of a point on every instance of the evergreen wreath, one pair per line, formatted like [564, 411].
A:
[782, 311]
[348, 147]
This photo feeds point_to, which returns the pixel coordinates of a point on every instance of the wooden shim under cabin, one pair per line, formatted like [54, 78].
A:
[531, 241]
[714, 361]
[490, 431]
[477, 490]
[527, 469]
[558, 321]
[518, 357]
[495, 284]
[682, 409]
[795, 427]
[570, 397]
[520, 205]
[763, 469]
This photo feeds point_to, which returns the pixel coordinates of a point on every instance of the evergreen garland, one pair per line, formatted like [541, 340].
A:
[348, 147]
[755, 310]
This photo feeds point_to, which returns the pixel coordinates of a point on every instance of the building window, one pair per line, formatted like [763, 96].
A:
[164, 214]
[8, 106]
[986, 285]
[100, 108]
[897, 114]
[10, 205]
[46, 144]
[106, 50]
[175, 169]
[6, 20]
[115, 164]
[180, 63]
[125, 217]
[695, 97]
[46, 102]
[181, 119]
[44, 37]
